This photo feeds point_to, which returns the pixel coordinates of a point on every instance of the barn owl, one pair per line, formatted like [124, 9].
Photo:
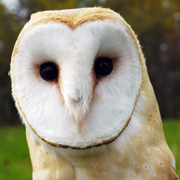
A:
[81, 87]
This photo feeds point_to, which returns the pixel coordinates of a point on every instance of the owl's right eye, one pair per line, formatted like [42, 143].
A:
[48, 71]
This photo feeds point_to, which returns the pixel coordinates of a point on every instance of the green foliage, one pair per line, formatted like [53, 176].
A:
[15, 162]
[10, 27]
[33, 6]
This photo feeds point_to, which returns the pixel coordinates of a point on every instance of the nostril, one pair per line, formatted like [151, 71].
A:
[77, 100]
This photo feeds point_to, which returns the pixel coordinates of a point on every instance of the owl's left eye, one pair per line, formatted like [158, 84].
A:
[103, 66]
[48, 71]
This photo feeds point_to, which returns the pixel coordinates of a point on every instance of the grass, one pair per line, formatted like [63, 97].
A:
[14, 155]
[172, 133]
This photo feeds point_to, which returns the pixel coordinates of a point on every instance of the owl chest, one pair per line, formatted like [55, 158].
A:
[111, 165]
[96, 168]
[64, 170]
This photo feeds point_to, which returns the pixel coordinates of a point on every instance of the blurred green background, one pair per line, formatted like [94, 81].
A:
[157, 25]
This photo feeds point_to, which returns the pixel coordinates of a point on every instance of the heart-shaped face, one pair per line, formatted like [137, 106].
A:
[76, 76]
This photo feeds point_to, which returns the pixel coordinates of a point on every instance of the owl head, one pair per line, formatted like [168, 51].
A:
[77, 76]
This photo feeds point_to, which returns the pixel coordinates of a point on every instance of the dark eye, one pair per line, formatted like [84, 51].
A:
[103, 66]
[48, 71]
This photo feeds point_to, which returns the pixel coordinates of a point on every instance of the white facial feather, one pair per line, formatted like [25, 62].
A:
[105, 112]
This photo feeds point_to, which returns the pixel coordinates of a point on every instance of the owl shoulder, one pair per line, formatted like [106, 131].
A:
[173, 175]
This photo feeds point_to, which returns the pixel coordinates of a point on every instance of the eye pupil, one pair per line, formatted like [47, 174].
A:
[48, 71]
[103, 66]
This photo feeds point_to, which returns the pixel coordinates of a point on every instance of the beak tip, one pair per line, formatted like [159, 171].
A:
[79, 122]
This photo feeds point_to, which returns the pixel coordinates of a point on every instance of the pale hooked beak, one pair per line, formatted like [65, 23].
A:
[78, 119]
